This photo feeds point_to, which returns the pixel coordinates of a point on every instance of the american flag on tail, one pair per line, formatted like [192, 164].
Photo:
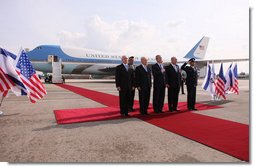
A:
[220, 84]
[34, 87]
[234, 88]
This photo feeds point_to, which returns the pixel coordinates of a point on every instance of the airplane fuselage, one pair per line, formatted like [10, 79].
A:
[76, 61]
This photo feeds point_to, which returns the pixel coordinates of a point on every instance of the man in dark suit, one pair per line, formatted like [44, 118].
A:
[131, 72]
[158, 85]
[191, 82]
[123, 85]
[143, 84]
[173, 79]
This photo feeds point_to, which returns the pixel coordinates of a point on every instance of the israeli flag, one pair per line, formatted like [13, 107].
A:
[229, 79]
[9, 76]
[208, 83]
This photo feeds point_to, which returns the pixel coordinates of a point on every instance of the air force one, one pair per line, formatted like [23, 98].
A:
[86, 61]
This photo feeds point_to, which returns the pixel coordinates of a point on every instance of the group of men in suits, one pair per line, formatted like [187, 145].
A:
[128, 78]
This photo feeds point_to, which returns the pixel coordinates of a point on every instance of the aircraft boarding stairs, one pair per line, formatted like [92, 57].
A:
[56, 69]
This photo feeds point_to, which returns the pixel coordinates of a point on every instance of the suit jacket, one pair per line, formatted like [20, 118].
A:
[158, 76]
[131, 73]
[192, 75]
[123, 78]
[143, 78]
[173, 78]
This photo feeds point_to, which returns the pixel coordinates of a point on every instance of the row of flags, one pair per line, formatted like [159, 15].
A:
[220, 85]
[18, 75]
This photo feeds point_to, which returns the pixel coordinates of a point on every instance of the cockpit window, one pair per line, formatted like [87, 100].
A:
[39, 47]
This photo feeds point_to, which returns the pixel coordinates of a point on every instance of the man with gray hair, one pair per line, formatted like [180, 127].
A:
[143, 84]
[123, 85]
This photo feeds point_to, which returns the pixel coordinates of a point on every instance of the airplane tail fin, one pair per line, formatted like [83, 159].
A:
[199, 50]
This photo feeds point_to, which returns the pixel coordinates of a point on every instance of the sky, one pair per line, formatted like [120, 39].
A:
[133, 27]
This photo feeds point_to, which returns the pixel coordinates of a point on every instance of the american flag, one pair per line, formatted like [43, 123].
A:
[5, 82]
[35, 89]
[220, 84]
[234, 88]
[4, 93]
[201, 47]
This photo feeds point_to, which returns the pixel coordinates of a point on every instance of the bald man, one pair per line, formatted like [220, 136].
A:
[124, 85]
[143, 84]
[173, 79]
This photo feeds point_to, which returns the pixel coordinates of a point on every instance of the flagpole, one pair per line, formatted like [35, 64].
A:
[1, 112]
[214, 80]
[1, 101]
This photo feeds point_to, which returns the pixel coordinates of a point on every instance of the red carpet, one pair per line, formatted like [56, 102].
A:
[86, 115]
[100, 97]
[226, 136]
[229, 137]
[68, 116]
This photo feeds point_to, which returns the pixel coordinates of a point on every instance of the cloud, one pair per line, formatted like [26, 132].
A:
[123, 36]
[72, 38]
[175, 23]
[127, 37]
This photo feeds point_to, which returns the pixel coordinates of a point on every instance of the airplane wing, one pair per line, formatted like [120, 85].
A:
[202, 63]
[225, 60]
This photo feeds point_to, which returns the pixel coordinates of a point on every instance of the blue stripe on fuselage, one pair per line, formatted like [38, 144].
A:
[41, 53]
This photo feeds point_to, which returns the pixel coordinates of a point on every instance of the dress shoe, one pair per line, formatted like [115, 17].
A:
[190, 109]
[194, 109]
[161, 112]
[126, 115]
[177, 110]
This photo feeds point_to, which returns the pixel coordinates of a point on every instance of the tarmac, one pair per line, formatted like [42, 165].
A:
[29, 132]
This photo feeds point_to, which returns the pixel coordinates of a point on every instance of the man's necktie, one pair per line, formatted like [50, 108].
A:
[176, 68]
[126, 67]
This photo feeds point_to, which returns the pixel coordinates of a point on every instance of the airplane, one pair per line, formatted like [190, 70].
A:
[93, 62]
